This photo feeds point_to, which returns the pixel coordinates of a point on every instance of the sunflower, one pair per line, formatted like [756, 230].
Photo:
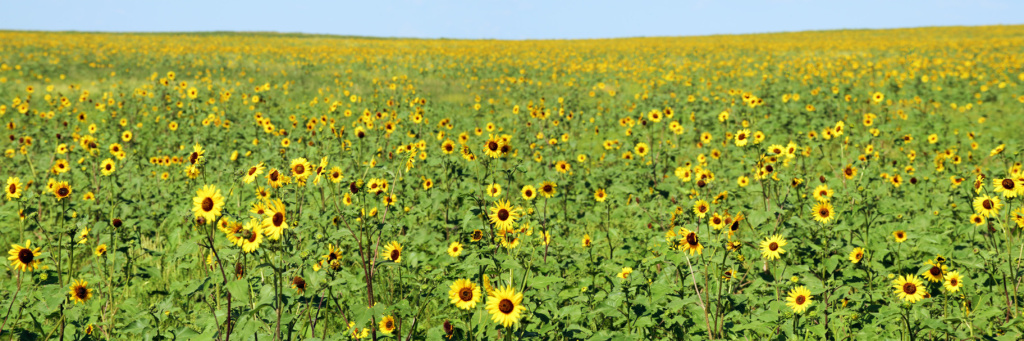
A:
[60, 166]
[493, 190]
[80, 291]
[301, 169]
[503, 215]
[742, 137]
[953, 281]
[252, 173]
[464, 294]
[528, 192]
[335, 175]
[849, 172]
[448, 146]
[207, 203]
[1008, 187]
[299, 284]
[477, 235]
[455, 249]
[987, 206]
[624, 274]
[251, 236]
[107, 167]
[600, 195]
[61, 190]
[333, 256]
[936, 271]
[823, 212]
[822, 193]
[547, 189]
[900, 236]
[493, 147]
[641, 149]
[701, 208]
[276, 179]
[977, 220]
[1018, 217]
[799, 299]
[908, 288]
[393, 252]
[197, 154]
[387, 325]
[13, 189]
[100, 250]
[24, 258]
[771, 247]
[586, 241]
[506, 306]
[856, 255]
[690, 242]
[877, 97]
[276, 220]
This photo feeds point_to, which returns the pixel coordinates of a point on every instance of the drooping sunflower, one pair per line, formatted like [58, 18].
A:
[506, 306]
[387, 325]
[24, 258]
[80, 291]
[701, 208]
[503, 215]
[196, 156]
[771, 247]
[13, 189]
[464, 294]
[299, 284]
[987, 206]
[393, 252]
[799, 299]
[252, 173]
[823, 212]
[529, 192]
[856, 255]
[953, 281]
[276, 220]
[208, 203]
[548, 189]
[936, 271]
[900, 236]
[908, 288]
[455, 249]
[690, 242]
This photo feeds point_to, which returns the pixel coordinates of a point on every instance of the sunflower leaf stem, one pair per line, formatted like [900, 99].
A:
[707, 321]
[13, 298]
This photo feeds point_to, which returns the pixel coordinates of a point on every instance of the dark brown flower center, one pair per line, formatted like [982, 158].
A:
[503, 214]
[278, 219]
[773, 246]
[389, 324]
[25, 256]
[395, 254]
[935, 271]
[63, 191]
[953, 281]
[1008, 183]
[252, 170]
[529, 193]
[81, 292]
[193, 158]
[692, 239]
[493, 146]
[12, 188]
[909, 288]
[299, 169]
[465, 294]
[824, 212]
[207, 204]
[800, 300]
[506, 306]
[987, 204]
[274, 175]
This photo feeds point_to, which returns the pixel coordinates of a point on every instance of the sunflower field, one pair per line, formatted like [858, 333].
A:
[256, 186]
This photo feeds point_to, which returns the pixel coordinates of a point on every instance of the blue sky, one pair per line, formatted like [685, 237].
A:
[526, 19]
